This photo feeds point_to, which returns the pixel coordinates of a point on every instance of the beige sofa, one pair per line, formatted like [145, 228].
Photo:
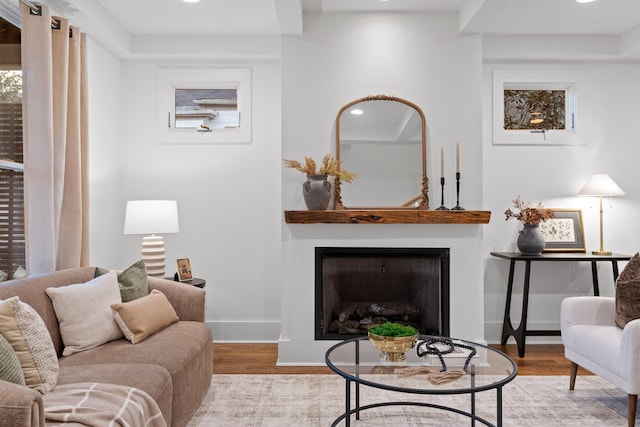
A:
[173, 365]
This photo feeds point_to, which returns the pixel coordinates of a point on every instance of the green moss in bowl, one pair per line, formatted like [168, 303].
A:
[390, 329]
[393, 340]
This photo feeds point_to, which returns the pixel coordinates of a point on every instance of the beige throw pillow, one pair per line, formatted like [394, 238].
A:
[84, 312]
[145, 316]
[25, 331]
[628, 292]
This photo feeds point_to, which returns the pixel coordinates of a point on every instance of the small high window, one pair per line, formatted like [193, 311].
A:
[536, 107]
[206, 109]
[530, 109]
[204, 105]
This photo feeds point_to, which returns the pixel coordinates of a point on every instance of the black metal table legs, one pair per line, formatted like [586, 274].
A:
[520, 333]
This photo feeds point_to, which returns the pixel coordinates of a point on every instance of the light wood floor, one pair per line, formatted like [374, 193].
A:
[540, 359]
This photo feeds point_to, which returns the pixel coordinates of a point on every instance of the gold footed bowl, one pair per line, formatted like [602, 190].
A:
[393, 349]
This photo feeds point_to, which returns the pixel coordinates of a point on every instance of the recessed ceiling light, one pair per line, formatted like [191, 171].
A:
[585, 1]
[356, 112]
[191, 1]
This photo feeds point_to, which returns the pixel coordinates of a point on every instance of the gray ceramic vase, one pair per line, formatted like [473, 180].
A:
[317, 192]
[531, 240]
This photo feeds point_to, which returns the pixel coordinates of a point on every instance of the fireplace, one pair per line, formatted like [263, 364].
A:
[356, 288]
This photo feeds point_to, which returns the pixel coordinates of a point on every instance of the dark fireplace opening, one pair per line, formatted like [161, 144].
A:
[357, 288]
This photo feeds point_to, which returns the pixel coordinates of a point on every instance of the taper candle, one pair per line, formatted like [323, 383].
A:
[458, 156]
[441, 162]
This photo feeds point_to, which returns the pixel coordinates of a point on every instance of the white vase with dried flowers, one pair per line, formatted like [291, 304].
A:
[530, 239]
[317, 189]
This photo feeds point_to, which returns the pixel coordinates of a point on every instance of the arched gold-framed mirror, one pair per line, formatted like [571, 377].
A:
[383, 140]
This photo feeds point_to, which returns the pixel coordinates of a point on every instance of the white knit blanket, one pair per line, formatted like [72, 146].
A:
[104, 405]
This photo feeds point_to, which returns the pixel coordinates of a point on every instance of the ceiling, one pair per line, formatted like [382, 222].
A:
[273, 17]
[533, 29]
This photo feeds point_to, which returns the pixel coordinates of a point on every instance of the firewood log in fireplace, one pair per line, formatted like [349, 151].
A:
[358, 318]
[401, 310]
[346, 313]
[354, 311]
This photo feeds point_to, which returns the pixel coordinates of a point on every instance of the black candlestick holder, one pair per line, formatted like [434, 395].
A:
[458, 207]
[442, 206]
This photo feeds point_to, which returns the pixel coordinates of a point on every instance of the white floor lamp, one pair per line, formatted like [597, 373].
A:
[152, 217]
[601, 185]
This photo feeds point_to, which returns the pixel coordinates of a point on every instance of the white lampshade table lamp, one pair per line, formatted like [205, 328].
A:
[601, 185]
[152, 217]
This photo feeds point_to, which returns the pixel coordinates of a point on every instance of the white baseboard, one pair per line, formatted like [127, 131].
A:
[244, 331]
[269, 331]
[493, 332]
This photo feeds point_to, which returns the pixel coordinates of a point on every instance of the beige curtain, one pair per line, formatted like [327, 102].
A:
[55, 144]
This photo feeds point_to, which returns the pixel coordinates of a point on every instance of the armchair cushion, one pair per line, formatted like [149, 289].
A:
[587, 310]
[628, 292]
[592, 340]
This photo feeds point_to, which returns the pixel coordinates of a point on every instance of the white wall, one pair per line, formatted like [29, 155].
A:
[105, 81]
[228, 202]
[419, 57]
[231, 197]
[554, 174]
[228, 194]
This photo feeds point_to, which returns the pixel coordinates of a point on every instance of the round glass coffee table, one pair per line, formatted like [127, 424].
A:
[358, 362]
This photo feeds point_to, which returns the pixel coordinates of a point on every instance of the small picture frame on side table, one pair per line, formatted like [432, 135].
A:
[564, 232]
[184, 269]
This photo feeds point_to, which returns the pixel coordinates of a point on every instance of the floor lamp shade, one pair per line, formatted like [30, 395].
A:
[601, 185]
[152, 217]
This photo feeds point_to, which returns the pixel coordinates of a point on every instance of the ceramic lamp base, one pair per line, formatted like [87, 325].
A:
[153, 255]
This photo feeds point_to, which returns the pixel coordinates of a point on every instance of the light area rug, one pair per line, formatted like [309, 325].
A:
[317, 400]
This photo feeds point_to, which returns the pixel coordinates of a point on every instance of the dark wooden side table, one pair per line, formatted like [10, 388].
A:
[200, 283]
[521, 332]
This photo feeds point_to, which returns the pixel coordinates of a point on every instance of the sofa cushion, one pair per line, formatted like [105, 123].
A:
[628, 292]
[184, 349]
[132, 281]
[145, 316]
[150, 378]
[25, 330]
[84, 312]
[10, 369]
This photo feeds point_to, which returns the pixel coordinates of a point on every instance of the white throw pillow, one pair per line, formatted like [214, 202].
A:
[84, 312]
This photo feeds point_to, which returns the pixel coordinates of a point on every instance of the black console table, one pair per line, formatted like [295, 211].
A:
[521, 332]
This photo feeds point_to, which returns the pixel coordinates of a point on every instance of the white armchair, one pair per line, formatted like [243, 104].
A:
[592, 340]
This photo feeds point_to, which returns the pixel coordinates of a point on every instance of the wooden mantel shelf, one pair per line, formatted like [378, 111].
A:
[387, 216]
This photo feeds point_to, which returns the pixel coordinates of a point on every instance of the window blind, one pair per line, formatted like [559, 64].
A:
[12, 242]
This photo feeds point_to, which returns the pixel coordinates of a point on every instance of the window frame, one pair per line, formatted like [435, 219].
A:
[170, 79]
[573, 82]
